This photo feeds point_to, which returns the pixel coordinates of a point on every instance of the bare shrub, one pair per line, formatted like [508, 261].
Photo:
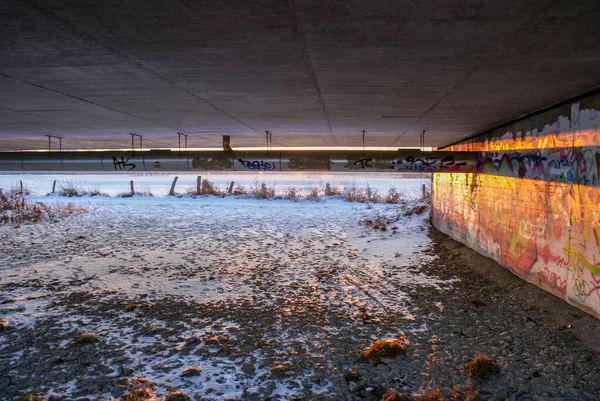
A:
[371, 195]
[15, 208]
[393, 196]
[353, 194]
[190, 191]
[16, 189]
[331, 190]
[240, 190]
[314, 195]
[292, 194]
[209, 188]
[262, 191]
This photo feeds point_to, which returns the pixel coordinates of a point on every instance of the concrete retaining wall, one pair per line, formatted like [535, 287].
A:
[538, 216]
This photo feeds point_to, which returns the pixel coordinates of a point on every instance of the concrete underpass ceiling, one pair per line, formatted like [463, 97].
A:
[313, 72]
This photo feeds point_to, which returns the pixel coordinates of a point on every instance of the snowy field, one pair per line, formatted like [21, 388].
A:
[221, 298]
[159, 184]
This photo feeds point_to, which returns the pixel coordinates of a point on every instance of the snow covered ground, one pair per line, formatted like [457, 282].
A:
[266, 299]
[159, 184]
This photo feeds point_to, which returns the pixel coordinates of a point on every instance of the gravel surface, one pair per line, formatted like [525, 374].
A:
[254, 304]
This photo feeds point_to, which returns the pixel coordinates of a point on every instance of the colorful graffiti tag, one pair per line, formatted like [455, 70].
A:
[568, 165]
[547, 233]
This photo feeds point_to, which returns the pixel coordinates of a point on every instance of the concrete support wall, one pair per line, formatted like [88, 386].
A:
[534, 205]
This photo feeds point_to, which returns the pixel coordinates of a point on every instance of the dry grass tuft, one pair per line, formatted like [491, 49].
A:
[209, 188]
[331, 190]
[478, 302]
[385, 349]
[143, 192]
[86, 338]
[30, 397]
[190, 372]
[418, 210]
[4, 325]
[69, 189]
[141, 390]
[481, 367]
[177, 396]
[139, 394]
[279, 370]
[292, 194]
[431, 395]
[393, 196]
[240, 190]
[15, 209]
[262, 191]
[314, 195]
[211, 340]
[352, 375]
[465, 394]
[392, 395]
[377, 223]
[130, 307]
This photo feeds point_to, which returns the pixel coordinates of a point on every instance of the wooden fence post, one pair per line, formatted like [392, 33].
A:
[54, 186]
[198, 185]
[172, 191]
[132, 188]
[230, 188]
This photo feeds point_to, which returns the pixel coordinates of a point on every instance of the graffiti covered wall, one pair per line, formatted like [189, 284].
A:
[534, 204]
[545, 233]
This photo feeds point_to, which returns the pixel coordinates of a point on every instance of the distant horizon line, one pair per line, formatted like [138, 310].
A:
[239, 149]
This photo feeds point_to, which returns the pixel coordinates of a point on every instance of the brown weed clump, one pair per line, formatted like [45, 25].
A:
[69, 190]
[30, 397]
[209, 188]
[314, 195]
[352, 375]
[481, 367]
[240, 190]
[141, 390]
[15, 208]
[392, 395]
[385, 349]
[263, 191]
[464, 394]
[431, 395]
[292, 194]
[86, 338]
[177, 396]
[331, 190]
[393, 196]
